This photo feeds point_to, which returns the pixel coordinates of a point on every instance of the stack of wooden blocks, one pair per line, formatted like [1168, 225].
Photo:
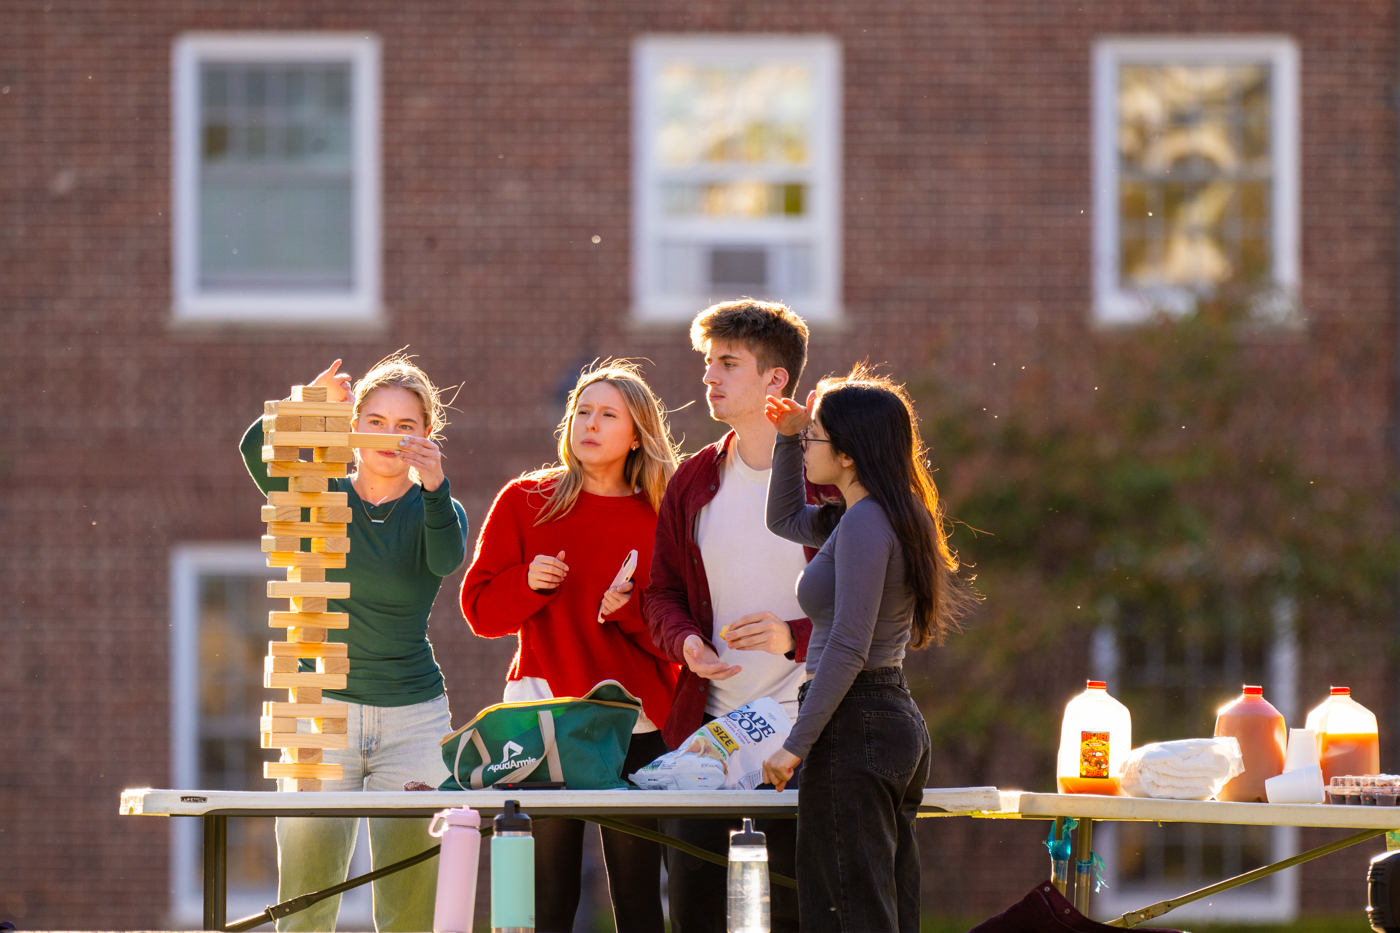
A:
[307, 421]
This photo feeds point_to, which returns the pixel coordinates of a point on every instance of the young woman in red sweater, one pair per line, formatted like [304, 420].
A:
[543, 571]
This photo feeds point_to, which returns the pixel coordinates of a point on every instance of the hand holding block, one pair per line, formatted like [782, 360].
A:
[310, 393]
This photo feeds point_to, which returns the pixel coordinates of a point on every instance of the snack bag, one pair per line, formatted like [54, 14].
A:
[727, 753]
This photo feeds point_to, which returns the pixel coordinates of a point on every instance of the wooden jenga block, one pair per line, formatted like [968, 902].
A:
[299, 695]
[309, 679]
[327, 665]
[307, 484]
[281, 769]
[304, 559]
[315, 423]
[281, 423]
[305, 528]
[309, 500]
[283, 513]
[308, 649]
[284, 543]
[270, 453]
[300, 620]
[330, 726]
[313, 409]
[295, 467]
[334, 454]
[310, 393]
[336, 514]
[302, 740]
[304, 439]
[323, 711]
[276, 665]
[307, 633]
[307, 785]
[306, 756]
[276, 724]
[339, 425]
[330, 545]
[306, 574]
[279, 588]
[310, 604]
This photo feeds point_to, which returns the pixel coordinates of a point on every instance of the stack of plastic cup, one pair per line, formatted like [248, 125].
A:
[1301, 780]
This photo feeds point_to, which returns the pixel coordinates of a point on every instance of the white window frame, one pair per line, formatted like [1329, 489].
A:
[362, 303]
[823, 53]
[1114, 305]
[1273, 900]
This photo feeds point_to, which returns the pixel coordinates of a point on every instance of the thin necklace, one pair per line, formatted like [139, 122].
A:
[380, 521]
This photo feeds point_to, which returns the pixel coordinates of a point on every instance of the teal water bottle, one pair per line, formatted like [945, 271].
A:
[512, 872]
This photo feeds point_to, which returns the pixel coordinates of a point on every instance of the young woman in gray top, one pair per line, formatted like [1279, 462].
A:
[882, 581]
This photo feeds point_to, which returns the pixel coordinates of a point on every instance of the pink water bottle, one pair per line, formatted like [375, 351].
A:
[460, 831]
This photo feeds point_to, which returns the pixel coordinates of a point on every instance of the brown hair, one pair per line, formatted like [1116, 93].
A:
[870, 418]
[770, 331]
[648, 468]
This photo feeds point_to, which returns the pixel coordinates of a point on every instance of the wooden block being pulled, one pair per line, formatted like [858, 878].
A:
[302, 619]
[283, 543]
[309, 500]
[330, 665]
[306, 574]
[340, 425]
[304, 559]
[307, 484]
[276, 724]
[281, 513]
[303, 740]
[279, 588]
[281, 454]
[310, 604]
[282, 769]
[294, 467]
[336, 514]
[279, 665]
[303, 439]
[281, 423]
[330, 545]
[315, 423]
[305, 756]
[305, 710]
[308, 649]
[314, 409]
[310, 393]
[306, 633]
[310, 679]
[306, 529]
[300, 695]
[334, 454]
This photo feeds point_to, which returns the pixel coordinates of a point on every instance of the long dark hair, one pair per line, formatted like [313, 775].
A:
[870, 418]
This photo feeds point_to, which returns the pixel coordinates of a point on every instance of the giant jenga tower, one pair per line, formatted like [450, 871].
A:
[307, 421]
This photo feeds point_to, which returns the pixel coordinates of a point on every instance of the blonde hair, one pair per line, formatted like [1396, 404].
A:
[647, 469]
[397, 370]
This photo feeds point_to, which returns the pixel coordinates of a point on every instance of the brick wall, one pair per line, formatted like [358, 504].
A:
[506, 148]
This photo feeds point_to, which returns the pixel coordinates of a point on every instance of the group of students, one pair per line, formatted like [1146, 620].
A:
[752, 581]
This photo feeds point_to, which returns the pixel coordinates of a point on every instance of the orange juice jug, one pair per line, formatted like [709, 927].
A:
[1096, 736]
[1348, 741]
[1263, 736]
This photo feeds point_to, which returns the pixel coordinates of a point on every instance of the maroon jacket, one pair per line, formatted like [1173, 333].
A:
[677, 601]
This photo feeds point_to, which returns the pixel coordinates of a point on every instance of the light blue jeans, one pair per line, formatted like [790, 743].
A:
[387, 745]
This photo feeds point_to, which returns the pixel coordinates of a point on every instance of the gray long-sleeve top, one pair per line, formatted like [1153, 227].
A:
[853, 591]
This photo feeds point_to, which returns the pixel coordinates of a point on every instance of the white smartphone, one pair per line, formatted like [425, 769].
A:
[624, 574]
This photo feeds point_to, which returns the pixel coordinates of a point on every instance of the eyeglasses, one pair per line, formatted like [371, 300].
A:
[805, 435]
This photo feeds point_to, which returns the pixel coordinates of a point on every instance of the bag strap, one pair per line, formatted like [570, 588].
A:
[551, 755]
[551, 748]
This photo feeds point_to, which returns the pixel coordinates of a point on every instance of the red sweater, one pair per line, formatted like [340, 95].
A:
[560, 637]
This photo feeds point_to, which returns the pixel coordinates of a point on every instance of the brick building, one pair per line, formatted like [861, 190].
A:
[205, 203]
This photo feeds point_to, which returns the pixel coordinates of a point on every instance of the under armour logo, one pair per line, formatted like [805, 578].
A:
[511, 750]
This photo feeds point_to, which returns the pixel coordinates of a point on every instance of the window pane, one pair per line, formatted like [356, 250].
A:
[759, 114]
[276, 178]
[1195, 175]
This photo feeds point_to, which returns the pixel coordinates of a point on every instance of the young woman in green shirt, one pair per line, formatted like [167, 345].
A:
[407, 533]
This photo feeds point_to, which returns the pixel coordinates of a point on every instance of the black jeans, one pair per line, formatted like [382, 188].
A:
[633, 863]
[862, 782]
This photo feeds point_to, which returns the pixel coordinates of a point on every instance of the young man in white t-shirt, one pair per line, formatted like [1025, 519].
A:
[717, 568]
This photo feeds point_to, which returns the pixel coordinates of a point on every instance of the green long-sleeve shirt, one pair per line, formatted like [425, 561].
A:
[395, 570]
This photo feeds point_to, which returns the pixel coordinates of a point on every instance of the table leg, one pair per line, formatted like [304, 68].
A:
[1059, 874]
[215, 872]
[1083, 871]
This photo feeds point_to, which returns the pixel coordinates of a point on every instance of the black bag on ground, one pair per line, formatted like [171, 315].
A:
[1045, 910]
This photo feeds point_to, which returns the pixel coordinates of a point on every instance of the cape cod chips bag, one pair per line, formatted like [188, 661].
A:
[727, 753]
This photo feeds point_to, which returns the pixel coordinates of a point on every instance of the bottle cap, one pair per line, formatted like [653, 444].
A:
[748, 836]
[1098, 685]
[1341, 691]
[1253, 691]
[463, 816]
[511, 820]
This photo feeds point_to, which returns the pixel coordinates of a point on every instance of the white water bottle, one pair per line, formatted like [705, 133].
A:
[460, 831]
[749, 910]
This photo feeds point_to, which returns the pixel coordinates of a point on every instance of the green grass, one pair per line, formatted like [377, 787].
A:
[1354, 922]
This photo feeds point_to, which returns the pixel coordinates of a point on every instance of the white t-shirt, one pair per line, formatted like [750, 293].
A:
[750, 569]
[528, 689]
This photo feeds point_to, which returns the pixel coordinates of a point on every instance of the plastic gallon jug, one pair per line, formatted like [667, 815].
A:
[748, 903]
[512, 872]
[1348, 741]
[1263, 738]
[1096, 736]
[460, 832]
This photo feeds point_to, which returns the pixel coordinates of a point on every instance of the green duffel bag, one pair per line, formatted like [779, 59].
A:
[581, 741]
